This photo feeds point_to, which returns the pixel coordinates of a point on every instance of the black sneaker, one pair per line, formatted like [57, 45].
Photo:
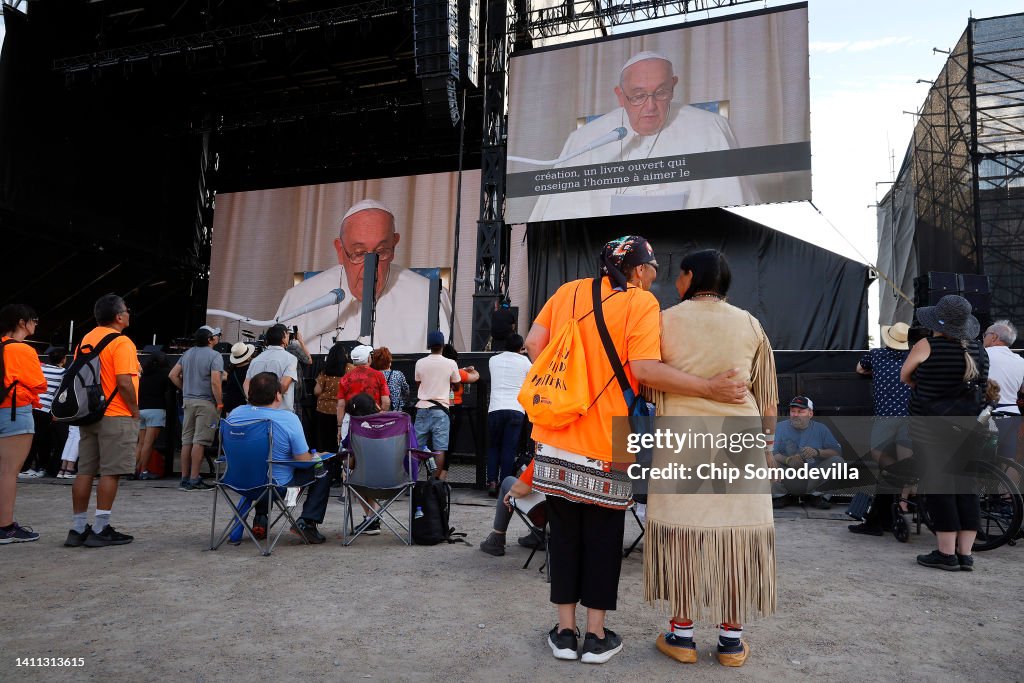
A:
[259, 526]
[866, 529]
[75, 539]
[18, 534]
[494, 544]
[308, 530]
[822, 503]
[966, 562]
[938, 560]
[600, 650]
[106, 537]
[368, 528]
[531, 541]
[185, 485]
[199, 486]
[563, 643]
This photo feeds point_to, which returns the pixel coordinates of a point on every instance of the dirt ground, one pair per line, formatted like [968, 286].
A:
[165, 608]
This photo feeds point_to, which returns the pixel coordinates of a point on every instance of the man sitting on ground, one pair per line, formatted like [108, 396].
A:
[265, 403]
[801, 440]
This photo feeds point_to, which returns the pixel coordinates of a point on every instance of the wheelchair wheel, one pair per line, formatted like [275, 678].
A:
[1002, 508]
[900, 528]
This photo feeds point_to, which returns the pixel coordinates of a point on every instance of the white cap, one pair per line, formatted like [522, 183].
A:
[214, 331]
[363, 206]
[641, 56]
[361, 355]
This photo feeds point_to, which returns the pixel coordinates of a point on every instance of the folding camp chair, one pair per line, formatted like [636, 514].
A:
[639, 523]
[531, 510]
[380, 464]
[245, 469]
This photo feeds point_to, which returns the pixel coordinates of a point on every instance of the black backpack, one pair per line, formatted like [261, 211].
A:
[11, 388]
[79, 399]
[434, 498]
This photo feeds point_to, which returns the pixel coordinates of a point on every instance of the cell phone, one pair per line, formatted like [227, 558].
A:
[295, 330]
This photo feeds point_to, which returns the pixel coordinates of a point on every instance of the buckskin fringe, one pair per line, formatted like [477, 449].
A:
[714, 574]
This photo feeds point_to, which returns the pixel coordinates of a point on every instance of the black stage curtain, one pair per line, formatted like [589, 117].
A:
[805, 296]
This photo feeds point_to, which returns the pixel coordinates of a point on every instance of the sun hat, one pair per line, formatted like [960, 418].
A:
[241, 352]
[895, 336]
[951, 316]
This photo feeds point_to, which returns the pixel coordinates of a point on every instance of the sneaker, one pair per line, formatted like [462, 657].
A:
[822, 503]
[494, 544]
[966, 562]
[865, 529]
[308, 530]
[199, 486]
[733, 655]
[75, 539]
[18, 534]
[106, 537]
[31, 474]
[678, 648]
[531, 541]
[147, 476]
[563, 643]
[259, 526]
[600, 650]
[492, 489]
[368, 528]
[185, 485]
[938, 560]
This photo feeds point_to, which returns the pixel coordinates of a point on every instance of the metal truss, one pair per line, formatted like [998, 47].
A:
[576, 16]
[216, 38]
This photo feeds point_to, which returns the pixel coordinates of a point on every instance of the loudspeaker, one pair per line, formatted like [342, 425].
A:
[435, 25]
[932, 286]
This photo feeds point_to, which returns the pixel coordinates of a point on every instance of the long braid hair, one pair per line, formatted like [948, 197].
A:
[970, 366]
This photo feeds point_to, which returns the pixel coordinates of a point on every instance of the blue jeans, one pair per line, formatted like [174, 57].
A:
[433, 423]
[503, 427]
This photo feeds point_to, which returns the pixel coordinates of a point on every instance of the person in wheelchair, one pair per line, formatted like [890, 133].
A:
[265, 403]
[946, 373]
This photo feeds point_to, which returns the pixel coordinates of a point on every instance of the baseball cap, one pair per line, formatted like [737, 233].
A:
[435, 338]
[802, 402]
[361, 355]
[214, 331]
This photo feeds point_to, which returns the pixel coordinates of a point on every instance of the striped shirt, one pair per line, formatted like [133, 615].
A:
[53, 375]
[942, 372]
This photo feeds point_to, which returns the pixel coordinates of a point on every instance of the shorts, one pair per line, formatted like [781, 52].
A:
[153, 417]
[433, 423]
[108, 446]
[201, 420]
[22, 423]
[887, 430]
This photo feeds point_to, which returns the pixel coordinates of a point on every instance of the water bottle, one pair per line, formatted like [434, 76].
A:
[431, 465]
[419, 512]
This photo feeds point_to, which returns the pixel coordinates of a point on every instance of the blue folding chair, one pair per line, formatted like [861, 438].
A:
[245, 468]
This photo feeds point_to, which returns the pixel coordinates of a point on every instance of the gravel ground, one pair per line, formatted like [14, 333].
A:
[164, 608]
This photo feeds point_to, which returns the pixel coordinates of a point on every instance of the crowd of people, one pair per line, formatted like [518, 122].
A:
[710, 558]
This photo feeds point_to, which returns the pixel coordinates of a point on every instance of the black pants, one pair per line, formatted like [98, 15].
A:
[954, 511]
[317, 495]
[45, 442]
[585, 546]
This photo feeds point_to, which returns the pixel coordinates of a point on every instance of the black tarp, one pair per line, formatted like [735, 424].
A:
[805, 296]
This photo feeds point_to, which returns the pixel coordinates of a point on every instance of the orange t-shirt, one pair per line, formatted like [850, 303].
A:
[21, 363]
[634, 324]
[119, 358]
[457, 389]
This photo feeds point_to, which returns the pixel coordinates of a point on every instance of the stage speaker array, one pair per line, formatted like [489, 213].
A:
[932, 286]
[435, 28]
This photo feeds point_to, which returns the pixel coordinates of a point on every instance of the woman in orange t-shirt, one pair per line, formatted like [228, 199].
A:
[23, 381]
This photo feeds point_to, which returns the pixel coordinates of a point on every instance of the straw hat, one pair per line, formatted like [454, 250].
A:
[895, 336]
[241, 352]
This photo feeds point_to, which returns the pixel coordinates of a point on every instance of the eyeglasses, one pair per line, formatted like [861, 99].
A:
[659, 95]
[126, 311]
[652, 264]
[383, 254]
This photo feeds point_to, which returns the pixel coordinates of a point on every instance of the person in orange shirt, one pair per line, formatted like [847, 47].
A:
[108, 446]
[586, 496]
[23, 381]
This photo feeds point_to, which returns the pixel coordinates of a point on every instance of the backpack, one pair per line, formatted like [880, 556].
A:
[79, 399]
[434, 498]
[11, 388]
[556, 391]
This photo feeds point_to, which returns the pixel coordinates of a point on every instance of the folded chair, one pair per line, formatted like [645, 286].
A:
[532, 511]
[244, 469]
[380, 464]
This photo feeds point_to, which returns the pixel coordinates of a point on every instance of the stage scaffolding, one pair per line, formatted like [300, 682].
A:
[965, 171]
[516, 24]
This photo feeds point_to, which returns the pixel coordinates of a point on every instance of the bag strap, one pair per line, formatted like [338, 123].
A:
[609, 346]
[13, 387]
[99, 347]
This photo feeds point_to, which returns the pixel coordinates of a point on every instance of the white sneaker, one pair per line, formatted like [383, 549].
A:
[31, 474]
[38, 474]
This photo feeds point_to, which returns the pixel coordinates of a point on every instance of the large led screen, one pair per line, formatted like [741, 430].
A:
[711, 114]
[277, 253]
